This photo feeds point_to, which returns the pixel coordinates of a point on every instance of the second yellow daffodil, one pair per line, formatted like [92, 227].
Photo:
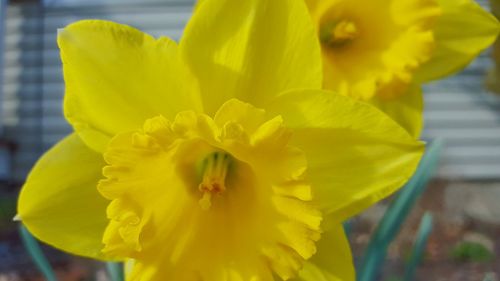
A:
[381, 51]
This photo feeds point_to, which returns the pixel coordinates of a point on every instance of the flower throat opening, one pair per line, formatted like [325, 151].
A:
[337, 34]
[214, 169]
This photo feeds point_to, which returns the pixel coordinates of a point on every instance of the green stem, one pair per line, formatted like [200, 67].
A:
[418, 250]
[36, 254]
[115, 270]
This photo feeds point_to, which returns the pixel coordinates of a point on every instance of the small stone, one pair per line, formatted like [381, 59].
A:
[484, 205]
[373, 214]
[475, 237]
[477, 202]
[490, 276]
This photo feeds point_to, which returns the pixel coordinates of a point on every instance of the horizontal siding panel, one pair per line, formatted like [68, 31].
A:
[52, 74]
[465, 133]
[24, 73]
[471, 172]
[25, 108]
[25, 86]
[464, 96]
[32, 109]
[33, 90]
[50, 139]
[15, 58]
[473, 114]
[28, 127]
[492, 159]
[22, 11]
[477, 117]
[461, 104]
[435, 126]
[488, 156]
[26, 40]
[458, 106]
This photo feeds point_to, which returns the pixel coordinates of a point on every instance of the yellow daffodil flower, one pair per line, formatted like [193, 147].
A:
[382, 50]
[216, 159]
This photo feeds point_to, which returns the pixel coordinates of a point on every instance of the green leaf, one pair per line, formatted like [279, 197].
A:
[115, 271]
[472, 252]
[36, 254]
[418, 250]
[348, 228]
[396, 214]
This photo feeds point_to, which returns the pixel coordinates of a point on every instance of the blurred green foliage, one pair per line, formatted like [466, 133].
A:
[471, 252]
[115, 271]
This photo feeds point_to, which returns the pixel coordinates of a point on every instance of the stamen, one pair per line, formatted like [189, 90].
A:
[338, 33]
[214, 177]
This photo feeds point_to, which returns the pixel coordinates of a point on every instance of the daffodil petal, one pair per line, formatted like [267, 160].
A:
[59, 202]
[117, 77]
[406, 109]
[313, 5]
[260, 49]
[462, 31]
[333, 261]
[356, 154]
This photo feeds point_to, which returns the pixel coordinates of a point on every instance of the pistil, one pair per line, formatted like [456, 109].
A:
[338, 33]
[215, 170]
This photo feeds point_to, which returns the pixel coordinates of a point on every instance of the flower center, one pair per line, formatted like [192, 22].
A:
[373, 48]
[337, 34]
[215, 168]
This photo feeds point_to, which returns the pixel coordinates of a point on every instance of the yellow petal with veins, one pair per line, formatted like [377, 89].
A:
[117, 77]
[59, 202]
[356, 154]
[405, 109]
[262, 47]
[462, 31]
